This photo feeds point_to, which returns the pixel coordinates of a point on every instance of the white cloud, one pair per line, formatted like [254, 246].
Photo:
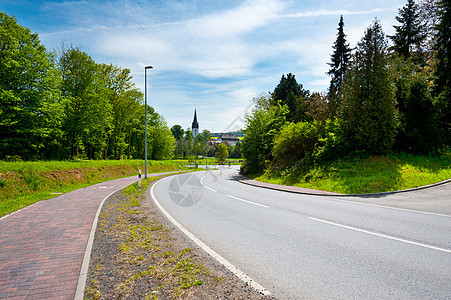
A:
[210, 54]
[230, 24]
[325, 12]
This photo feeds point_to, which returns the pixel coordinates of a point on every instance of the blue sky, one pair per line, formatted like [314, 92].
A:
[214, 55]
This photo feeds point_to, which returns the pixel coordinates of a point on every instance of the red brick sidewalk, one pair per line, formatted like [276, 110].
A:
[43, 245]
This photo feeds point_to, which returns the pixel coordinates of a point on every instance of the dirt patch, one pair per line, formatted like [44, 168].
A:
[138, 255]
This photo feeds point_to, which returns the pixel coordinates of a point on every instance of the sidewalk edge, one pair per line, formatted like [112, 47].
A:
[280, 187]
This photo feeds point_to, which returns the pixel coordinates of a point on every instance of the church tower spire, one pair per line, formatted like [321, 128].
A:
[195, 125]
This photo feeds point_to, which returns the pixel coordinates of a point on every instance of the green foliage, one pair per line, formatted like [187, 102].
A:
[31, 104]
[409, 35]
[160, 141]
[65, 105]
[88, 112]
[262, 125]
[367, 107]
[418, 131]
[385, 102]
[295, 144]
[339, 64]
[177, 131]
[235, 151]
[24, 183]
[373, 174]
[333, 146]
[127, 113]
[221, 152]
[442, 72]
[291, 94]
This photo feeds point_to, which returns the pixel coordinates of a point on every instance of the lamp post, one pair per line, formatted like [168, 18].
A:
[206, 159]
[195, 130]
[145, 114]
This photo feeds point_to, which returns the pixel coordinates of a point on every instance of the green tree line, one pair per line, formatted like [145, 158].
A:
[62, 104]
[386, 94]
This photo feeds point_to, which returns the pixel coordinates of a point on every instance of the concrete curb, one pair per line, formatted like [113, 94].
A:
[80, 290]
[297, 190]
[81, 284]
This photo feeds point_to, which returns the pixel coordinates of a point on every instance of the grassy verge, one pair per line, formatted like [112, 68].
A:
[136, 256]
[24, 183]
[143, 254]
[371, 175]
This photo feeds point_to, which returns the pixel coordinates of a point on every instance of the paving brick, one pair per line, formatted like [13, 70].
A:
[42, 246]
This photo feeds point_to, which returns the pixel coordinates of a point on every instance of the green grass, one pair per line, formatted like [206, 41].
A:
[371, 175]
[24, 183]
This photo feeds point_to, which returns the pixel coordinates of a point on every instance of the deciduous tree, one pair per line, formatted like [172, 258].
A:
[221, 152]
[31, 106]
[261, 127]
[125, 100]
[88, 111]
[177, 132]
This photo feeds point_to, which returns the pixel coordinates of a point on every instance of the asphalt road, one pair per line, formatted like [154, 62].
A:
[314, 247]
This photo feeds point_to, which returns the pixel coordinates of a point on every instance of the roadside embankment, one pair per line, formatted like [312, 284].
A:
[24, 183]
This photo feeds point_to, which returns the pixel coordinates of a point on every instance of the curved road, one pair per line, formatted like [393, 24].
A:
[313, 247]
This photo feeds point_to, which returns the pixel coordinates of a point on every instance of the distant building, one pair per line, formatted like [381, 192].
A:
[230, 139]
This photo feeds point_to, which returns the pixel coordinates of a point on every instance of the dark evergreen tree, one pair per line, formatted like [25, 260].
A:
[289, 92]
[418, 131]
[443, 67]
[367, 100]
[409, 35]
[339, 63]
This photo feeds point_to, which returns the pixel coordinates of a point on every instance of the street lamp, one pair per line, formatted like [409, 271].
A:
[195, 131]
[145, 113]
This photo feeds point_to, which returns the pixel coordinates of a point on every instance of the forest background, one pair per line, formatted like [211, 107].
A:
[386, 94]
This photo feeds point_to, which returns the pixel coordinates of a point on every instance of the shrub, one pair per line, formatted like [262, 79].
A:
[295, 145]
[333, 145]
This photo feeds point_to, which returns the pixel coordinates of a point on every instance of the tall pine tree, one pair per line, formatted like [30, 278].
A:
[339, 63]
[367, 100]
[409, 35]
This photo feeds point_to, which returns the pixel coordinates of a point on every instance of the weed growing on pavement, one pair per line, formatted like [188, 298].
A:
[144, 253]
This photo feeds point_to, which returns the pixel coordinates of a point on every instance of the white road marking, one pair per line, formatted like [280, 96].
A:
[391, 207]
[250, 202]
[381, 235]
[213, 190]
[240, 274]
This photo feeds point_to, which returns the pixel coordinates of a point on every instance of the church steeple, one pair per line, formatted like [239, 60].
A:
[195, 125]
